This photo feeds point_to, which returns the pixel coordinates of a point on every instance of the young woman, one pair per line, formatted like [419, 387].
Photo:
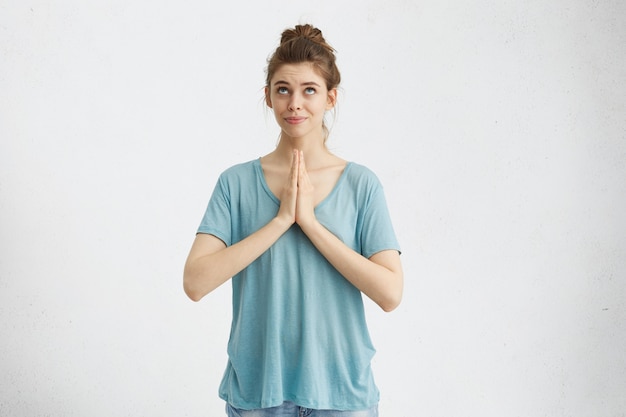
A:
[302, 233]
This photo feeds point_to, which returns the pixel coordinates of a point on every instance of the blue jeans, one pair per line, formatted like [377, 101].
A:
[289, 409]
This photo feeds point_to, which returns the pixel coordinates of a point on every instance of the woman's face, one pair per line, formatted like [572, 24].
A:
[299, 98]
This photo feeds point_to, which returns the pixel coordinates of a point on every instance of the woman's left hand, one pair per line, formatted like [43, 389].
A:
[305, 203]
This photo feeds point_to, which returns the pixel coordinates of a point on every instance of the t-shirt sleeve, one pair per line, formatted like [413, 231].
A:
[377, 233]
[217, 217]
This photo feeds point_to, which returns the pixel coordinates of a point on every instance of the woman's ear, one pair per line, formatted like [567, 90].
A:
[332, 99]
[268, 100]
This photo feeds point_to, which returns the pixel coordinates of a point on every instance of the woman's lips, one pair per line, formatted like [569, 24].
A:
[295, 120]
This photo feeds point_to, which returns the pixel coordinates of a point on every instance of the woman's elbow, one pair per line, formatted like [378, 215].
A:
[193, 295]
[191, 290]
[197, 284]
[390, 303]
[394, 296]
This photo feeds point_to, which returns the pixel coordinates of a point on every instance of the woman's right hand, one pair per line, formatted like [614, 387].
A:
[289, 193]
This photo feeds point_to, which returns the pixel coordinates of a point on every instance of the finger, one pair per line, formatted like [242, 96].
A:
[301, 165]
[294, 168]
[303, 174]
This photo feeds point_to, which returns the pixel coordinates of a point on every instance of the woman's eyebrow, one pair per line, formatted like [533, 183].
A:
[281, 82]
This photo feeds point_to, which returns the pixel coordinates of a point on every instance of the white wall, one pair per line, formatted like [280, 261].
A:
[497, 127]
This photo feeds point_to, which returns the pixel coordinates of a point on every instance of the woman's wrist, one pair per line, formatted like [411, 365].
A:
[283, 223]
[310, 226]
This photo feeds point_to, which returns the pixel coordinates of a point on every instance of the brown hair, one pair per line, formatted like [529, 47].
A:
[305, 43]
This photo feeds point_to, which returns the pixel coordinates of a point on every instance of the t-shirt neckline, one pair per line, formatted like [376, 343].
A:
[329, 196]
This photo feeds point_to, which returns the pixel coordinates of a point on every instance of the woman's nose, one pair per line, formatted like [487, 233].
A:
[294, 103]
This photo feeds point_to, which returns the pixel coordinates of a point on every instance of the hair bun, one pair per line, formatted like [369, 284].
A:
[308, 32]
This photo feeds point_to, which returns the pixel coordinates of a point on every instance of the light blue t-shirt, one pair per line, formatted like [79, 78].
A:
[298, 328]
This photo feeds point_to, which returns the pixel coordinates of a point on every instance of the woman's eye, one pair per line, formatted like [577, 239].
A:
[282, 90]
[310, 90]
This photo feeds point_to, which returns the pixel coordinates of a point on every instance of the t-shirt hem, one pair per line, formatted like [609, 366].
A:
[215, 233]
[301, 403]
[371, 253]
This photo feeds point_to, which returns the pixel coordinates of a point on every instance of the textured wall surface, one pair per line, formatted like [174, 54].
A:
[497, 127]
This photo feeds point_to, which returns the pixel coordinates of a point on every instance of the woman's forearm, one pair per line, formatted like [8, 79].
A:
[211, 263]
[379, 277]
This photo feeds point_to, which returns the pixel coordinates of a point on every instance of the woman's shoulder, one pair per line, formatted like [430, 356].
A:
[359, 172]
[238, 176]
[240, 169]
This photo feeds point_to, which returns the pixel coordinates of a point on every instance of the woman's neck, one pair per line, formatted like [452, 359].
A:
[315, 152]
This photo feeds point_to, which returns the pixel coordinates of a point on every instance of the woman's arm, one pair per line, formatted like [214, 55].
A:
[210, 263]
[380, 277]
